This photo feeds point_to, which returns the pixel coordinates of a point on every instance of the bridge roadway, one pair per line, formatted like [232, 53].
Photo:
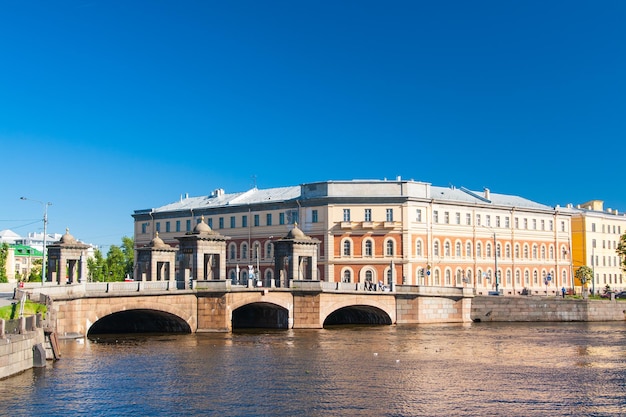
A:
[138, 307]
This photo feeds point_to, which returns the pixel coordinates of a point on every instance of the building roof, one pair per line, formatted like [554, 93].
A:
[23, 250]
[462, 195]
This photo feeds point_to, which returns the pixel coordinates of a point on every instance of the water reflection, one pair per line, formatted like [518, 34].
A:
[513, 369]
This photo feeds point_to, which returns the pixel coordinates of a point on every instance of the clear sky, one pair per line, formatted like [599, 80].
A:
[113, 106]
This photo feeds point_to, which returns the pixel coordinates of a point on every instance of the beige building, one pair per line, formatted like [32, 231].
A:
[596, 233]
[388, 231]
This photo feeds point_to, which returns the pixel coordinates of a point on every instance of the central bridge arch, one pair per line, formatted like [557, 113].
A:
[358, 314]
[260, 315]
[357, 309]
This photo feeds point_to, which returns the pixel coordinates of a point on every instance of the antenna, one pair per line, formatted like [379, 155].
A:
[253, 180]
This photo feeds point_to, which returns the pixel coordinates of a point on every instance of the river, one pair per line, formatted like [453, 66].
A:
[478, 369]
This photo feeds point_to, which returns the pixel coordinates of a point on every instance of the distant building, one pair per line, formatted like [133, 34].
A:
[596, 233]
[390, 231]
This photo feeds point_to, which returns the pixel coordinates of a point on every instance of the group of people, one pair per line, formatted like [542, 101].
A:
[370, 286]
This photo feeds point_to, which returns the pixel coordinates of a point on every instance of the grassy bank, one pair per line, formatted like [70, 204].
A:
[12, 311]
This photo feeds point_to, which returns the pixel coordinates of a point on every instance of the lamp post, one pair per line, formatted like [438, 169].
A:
[45, 233]
[593, 269]
[495, 259]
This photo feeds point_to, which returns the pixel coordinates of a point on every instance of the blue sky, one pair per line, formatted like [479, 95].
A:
[112, 106]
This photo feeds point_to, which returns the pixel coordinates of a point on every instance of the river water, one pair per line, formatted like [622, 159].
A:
[478, 369]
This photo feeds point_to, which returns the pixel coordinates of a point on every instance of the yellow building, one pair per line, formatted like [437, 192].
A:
[389, 231]
[596, 233]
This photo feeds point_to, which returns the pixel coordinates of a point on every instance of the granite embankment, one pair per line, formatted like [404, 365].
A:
[524, 309]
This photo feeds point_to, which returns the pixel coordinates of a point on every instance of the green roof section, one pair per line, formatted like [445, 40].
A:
[23, 250]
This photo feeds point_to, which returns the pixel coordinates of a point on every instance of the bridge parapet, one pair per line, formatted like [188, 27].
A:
[454, 292]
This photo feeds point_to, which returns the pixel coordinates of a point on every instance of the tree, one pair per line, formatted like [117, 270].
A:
[584, 274]
[97, 267]
[621, 251]
[118, 263]
[4, 254]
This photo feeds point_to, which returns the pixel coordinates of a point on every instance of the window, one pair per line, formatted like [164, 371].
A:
[458, 218]
[457, 249]
[390, 247]
[468, 249]
[507, 222]
[178, 225]
[346, 248]
[268, 250]
[543, 224]
[167, 227]
[314, 216]
[562, 226]
[478, 220]
[221, 222]
[210, 223]
[347, 276]
[158, 226]
[233, 251]
[244, 251]
[446, 217]
[418, 214]
[346, 215]
[478, 250]
[257, 221]
[436, 248]
[435, 216]
[418, 248]
[268, 219]
[516, 223]
[188, 225]
[144, 227]
[232, 222]
[525, 224]
[488, 250]
[488, 220]
[551, 225]
[517, 251]
[281, 218]
[389, 215]
[244, 221]
[468, 219]
[368, 248]
[497, 221]
[446, 249]
[534, 224]
[368, 215]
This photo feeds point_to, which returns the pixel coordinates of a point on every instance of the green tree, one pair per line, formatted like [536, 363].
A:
[621, 251]
[116, 264]
[97, 266]
[128, 247]
[584, 274]
[35, 271]
[4, 254]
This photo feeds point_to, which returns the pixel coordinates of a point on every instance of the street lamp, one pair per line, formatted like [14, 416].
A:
[45, 232]
[495, 255]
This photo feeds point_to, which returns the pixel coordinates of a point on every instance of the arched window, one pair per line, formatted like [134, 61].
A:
[233, 277]
[447, 249]
[268, 250]
[488, 250]
[518, 278]
[347, 248]
[437, 277]
[543, 252]
[233, 251]
[478, 250]
[244, 251]
[368, 248]
[468, 249]
[535, 252]
[526, 277]
[436, 248]
[448, 278]
[369, 277]
[347, 276]
[517, 251]
[508, 277]
[498, 250]
[457, 249]
[507, 251]
[479, 277]
[390, 251]
[418, 248]
[526, 252]
[535, 277]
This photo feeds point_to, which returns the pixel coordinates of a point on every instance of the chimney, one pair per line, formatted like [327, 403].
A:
[486, 193]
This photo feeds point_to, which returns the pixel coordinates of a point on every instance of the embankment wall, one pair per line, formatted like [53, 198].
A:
[523, 309]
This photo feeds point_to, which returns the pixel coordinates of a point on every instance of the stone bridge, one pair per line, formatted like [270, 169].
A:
[139, 307]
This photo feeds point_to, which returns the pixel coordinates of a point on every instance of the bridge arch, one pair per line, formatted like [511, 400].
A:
[359, 310]
[261, 311]
[176, 313]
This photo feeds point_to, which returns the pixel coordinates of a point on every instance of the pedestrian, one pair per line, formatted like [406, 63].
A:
[563, 291]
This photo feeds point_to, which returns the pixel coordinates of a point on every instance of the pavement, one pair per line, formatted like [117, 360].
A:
[6, 299]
